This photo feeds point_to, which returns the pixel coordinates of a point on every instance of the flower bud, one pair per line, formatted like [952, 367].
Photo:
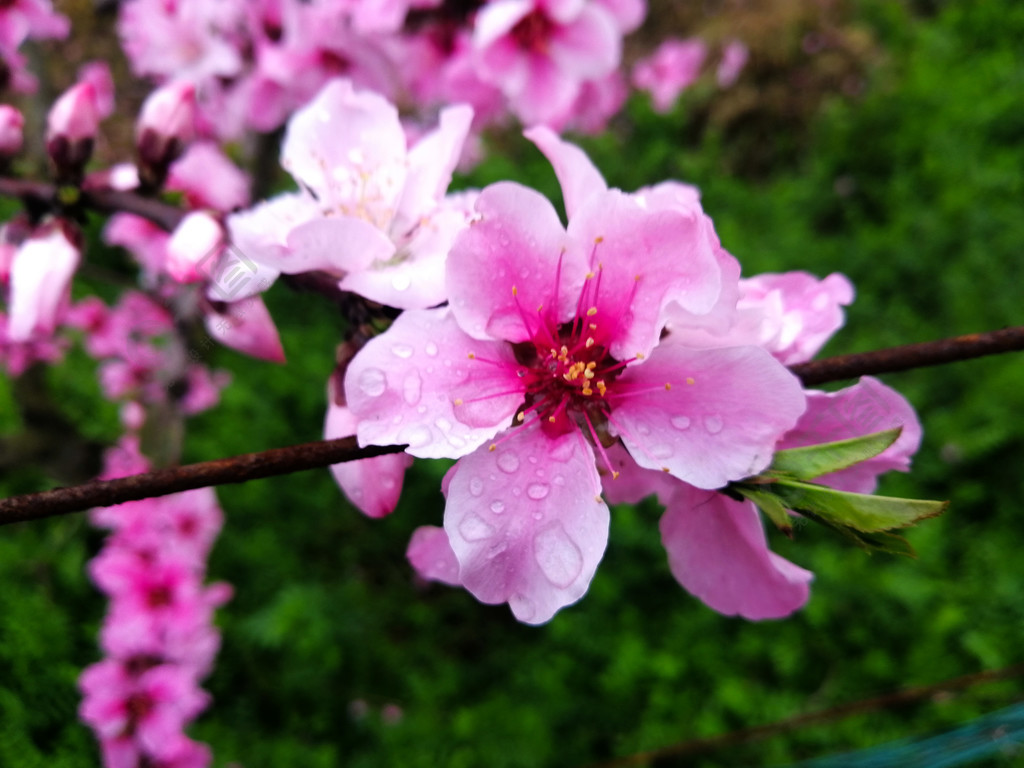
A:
[193, 245]
[166, 125]
[71, 131]
[41, 275]
[11, 123]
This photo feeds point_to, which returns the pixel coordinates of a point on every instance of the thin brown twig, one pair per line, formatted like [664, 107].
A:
[902, 698]
[281, 461]
[231, 469]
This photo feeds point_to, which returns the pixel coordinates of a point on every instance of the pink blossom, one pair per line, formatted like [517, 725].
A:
[194, 242]
[209, 179]
[97, 74]
[143, 239]
[670, 70]
[734, 58]
[40, 279]
[558, 331]
[539, 52]
[11, 122]
[373, 212]
[71, 126]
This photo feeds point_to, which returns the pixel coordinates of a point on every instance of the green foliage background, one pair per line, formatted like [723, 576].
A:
[915, 191]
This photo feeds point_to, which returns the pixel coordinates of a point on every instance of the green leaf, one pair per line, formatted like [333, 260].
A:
[879, 541]
[814, 460]
[861, 512]
[771, 505]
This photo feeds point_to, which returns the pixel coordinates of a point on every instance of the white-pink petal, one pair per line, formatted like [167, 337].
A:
[246, 326]
[431, 554]
[40, 278]
[578, 177]
[526, 522]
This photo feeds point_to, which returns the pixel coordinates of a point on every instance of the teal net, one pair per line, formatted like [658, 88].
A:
[998, 736]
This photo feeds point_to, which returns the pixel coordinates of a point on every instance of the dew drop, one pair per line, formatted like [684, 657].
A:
[403, 351]
[373, 382]
[559, 558]
[497, 507]
[431, 349]
[421, 410]
[474, 528]
[558, 479]
[643, 429]
[443, 424]
[401, 282]
[411, 386]
[713, 424]
[661, 451]
[508, 462]
[538, 515]
[682, 423]
[538, 491]
[415, 435]
[476, 486]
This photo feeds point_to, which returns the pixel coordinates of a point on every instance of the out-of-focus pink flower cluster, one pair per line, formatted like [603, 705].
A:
[676, 64]
[158, 634]
[22, 20]
[545, 61]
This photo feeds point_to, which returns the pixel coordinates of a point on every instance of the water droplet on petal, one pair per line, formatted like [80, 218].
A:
[558, 479]
[416, 436]
[559, 558]
[421, 410]
[373, 382]
[523, 608]
[403, 351]
[431, 349]
[681, 423]
[713, 424]
[475, 528]
[443, 424]
[643, 429]
[497, 507]
[538, 515]
[538, 491]
[401, 282]
[411, 388]
[476, 486]
[508, 462]
[661, 451]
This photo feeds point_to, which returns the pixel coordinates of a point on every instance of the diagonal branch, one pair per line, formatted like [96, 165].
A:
[295, 458]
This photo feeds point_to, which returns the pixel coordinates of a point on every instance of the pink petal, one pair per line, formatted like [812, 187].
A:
[718, 552]
[634, 483]
[40, 287]
[504, 266]
[721, 427]
[576, 174]
[526, 523]
[193, 244]
[646, 259]
[431, 554]
[497, 18]
[868, 406]
[372, 485]
[335, 244]
[247, 326]
[402, 387]
[588, 48]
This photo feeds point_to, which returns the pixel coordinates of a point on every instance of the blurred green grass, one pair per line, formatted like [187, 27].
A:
[914, 190]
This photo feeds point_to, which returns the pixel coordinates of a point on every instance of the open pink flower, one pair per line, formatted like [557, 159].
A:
[372, 211]
[557, 332]
[670, 70]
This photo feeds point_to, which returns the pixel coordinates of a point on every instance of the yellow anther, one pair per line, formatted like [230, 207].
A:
[554, 352]
[640, 355]
[590, 276]
[520, 417]
[592, 326]
[540, 307]
[458, 401]
[492, 446]
[587, 391]
[565, 351]
[551, 419]
[602, 388]
[591, 365]
[471, 356]
[615, 475]
[592, 311]
[599, 239]
[667, 385]
[665, 469]
[590, 342]
[588, 374]
[515, 291]
[690, 380]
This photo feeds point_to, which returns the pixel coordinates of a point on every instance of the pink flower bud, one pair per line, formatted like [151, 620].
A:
[11, 123]
[166, 125]
[41, 283]
[71, 130]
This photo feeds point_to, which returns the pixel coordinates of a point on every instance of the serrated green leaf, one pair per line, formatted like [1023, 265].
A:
[812, 461]
[862, 512]
[771, 505]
